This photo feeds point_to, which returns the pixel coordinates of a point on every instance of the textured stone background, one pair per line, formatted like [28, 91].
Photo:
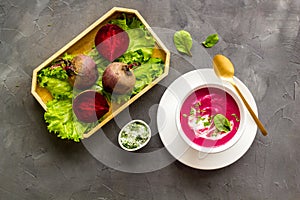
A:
[261, 38]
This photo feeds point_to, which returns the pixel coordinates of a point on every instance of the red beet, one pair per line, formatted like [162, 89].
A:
[118, 78]
[89, 106]
[111, 41]
[85, 72]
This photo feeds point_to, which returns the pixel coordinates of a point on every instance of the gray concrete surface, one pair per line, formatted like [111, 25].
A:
[261, 38]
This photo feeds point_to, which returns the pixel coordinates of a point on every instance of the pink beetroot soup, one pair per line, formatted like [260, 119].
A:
[197, 116]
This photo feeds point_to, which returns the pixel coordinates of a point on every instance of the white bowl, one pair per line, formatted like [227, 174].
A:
[234, 139]
[141, 145]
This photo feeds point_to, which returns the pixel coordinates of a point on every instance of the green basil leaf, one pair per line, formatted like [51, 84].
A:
[222, 123]
[211, 40]
[183, 42]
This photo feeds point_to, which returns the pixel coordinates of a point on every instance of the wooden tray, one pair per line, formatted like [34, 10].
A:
[84, 43]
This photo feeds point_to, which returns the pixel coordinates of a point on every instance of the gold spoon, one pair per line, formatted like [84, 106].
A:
[224, 69]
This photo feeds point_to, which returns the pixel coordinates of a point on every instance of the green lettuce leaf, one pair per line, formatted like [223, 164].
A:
[127, 23]
[141, 42]
[56, 81]
[67, 56]
[121, 22]
[139, 39]
[57, 72]
[63, 122]
[99, 60]
[138, 56]
[146, 73]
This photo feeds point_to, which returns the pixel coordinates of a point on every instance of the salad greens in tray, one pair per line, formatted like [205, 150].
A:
[84, 86]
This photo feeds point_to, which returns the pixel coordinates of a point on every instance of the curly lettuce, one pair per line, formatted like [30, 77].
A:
[146, 73]
[127, 23]
[141, 42]
[63, 122]
[55, 80]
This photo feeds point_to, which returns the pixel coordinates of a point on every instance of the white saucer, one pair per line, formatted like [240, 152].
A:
[171, 138]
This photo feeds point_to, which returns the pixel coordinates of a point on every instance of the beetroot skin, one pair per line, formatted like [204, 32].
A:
[89, 106]
[111, 41]
[118, 78]
[85, 72]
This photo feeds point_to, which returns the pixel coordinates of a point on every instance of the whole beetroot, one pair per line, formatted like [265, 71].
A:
[85, 72]
[118, 78]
